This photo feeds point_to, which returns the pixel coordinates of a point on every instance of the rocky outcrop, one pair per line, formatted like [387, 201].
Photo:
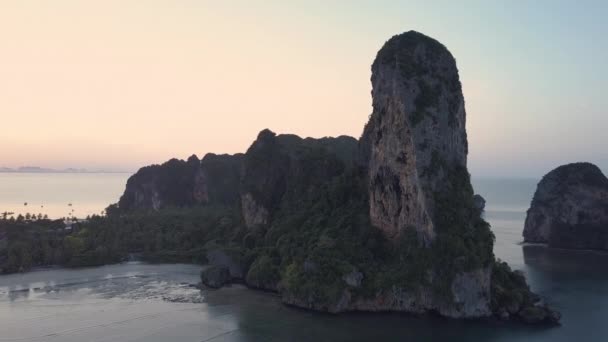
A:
[281, 168]
[388, 223]
[570, 209]
[177, 183]
[228, 258]
[414, 149]
[479, 202]
[353, 279]
[415, 135]
[158, 186]
[215, 276]
[469, 298]
[254, 213]
[512, 298]
[218, 181]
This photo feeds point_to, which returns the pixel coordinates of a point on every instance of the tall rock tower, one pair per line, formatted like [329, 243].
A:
[416, 135]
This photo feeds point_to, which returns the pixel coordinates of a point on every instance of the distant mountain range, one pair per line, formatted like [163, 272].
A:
[37, 169]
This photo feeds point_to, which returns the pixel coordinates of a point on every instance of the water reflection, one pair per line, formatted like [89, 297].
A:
[261, 317]
[583, 263]
[576, 283]
[138, 299]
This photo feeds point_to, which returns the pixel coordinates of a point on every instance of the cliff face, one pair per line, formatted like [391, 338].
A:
[570, 208]
[469, 298]
[388, 223]
[277, 170]
[416, 133]
[414, 150]
[323, 204]
[179, 183]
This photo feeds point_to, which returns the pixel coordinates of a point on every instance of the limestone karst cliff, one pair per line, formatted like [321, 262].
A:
[570, 208]
[416, 137]
[279, 170]
[386, 223]
[178, 183]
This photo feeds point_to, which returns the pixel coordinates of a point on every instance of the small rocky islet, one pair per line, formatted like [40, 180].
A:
[387, 222]
[570, 209]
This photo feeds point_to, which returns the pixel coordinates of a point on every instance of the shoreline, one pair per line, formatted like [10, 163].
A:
[240, 283]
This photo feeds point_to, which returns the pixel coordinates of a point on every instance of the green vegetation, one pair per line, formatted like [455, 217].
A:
[170, 235]
[509, 289]
[264, 273]
[323, 236]
[401, 51]
[32, 242]
[319, 232]
[322, 232]
[421, 58]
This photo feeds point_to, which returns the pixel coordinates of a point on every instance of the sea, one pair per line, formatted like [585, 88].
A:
[159, 302]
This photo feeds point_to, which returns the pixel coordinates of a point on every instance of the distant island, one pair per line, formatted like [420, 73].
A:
[38, 169]
[570, 209]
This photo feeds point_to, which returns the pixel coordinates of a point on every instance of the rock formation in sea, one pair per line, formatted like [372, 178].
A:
[385, 223]
[570, 208]
[415, 139]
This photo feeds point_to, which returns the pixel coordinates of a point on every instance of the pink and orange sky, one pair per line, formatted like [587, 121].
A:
[117, 84]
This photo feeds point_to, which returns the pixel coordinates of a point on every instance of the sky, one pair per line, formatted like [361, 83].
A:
[118, 84]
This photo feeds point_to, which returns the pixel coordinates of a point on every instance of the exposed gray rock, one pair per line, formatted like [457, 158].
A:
[178, 183]
[570, 209]
[471, 293]
[304, 203]
[215, 276]
[415, 150]
[539, 314]
[415, 134]
[254, 213]
[479, 202]
[227, 258]
[353, 278]
[470, 298]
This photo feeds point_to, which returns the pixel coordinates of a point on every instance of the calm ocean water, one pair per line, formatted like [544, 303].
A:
[52, 193]
[139, 302]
